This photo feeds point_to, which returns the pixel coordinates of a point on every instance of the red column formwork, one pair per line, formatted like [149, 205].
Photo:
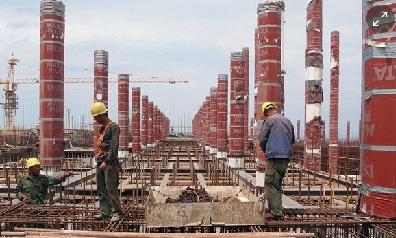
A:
[194, 126]
[298, 130]
[144, 125]
[334, 98]
[268, 82]
[198, 124]
[201, 123]
[123, 115]
[206, 123]
[101, 83]
[378, 130]
[213, 121]
[162, 124]
[236, 138]
[135, 120]
[348, 132]
[155, 124]
[222, 110]
[245, 56]
[52, 28]
[150, 124]
[167, 126]
[313, 87]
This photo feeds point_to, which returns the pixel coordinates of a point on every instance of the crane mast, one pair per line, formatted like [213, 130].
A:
[10, 101]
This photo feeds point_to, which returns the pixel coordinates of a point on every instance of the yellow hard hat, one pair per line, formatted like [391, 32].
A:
[267, 105]
[98, 108]
[32, 162]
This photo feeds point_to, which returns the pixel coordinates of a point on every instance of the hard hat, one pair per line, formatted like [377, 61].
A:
[98, 108]
[32, 162]
[267, 105]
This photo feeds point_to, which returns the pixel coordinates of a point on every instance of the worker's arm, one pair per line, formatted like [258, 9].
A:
[54, 180]
[113, 147]
[264, 134]
[19, 190]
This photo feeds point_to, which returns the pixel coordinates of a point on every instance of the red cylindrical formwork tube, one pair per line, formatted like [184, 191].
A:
[144, 125]
[206, 123]
[378, 143]
[162, 123]
[245, 56]
[334, 96]
[135, 120]
[313, 87]
[167, 126]
[159, 125]
[150, 128]
[256, 71]
[197, 124]
[201, 123]
[298, 130]
[236, 138]
[194, 126]
[52, 28]
[222, 110]
[155, 124]
[123, 114]
[213, 121]
[268, 82]
[101, 83]
[348, 132]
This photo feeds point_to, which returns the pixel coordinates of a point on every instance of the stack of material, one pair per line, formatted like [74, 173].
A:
[193, 195]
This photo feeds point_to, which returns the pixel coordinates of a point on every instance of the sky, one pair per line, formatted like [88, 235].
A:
[184, 39]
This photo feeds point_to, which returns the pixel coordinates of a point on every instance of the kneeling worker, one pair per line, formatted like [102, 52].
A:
[108, 166]
[34, 187]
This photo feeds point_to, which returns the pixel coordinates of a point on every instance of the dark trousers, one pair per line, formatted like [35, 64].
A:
[274, 174]
[107, 182]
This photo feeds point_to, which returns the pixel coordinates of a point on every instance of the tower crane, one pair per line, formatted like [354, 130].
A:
[10, 103]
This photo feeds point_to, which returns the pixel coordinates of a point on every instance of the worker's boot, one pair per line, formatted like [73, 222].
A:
[115, 217]
[101, 216]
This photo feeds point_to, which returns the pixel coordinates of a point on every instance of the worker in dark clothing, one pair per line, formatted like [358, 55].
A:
[108, 166]
[276, 139]
[33, 188]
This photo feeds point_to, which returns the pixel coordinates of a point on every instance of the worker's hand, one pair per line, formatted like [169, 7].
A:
[103, 165]
[68, 174]
[23, 198]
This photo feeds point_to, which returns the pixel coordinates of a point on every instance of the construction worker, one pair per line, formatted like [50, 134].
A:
[108, 166]
[276, 139]
[34, 187]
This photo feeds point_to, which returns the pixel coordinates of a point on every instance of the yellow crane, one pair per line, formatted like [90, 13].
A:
[10, 103]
